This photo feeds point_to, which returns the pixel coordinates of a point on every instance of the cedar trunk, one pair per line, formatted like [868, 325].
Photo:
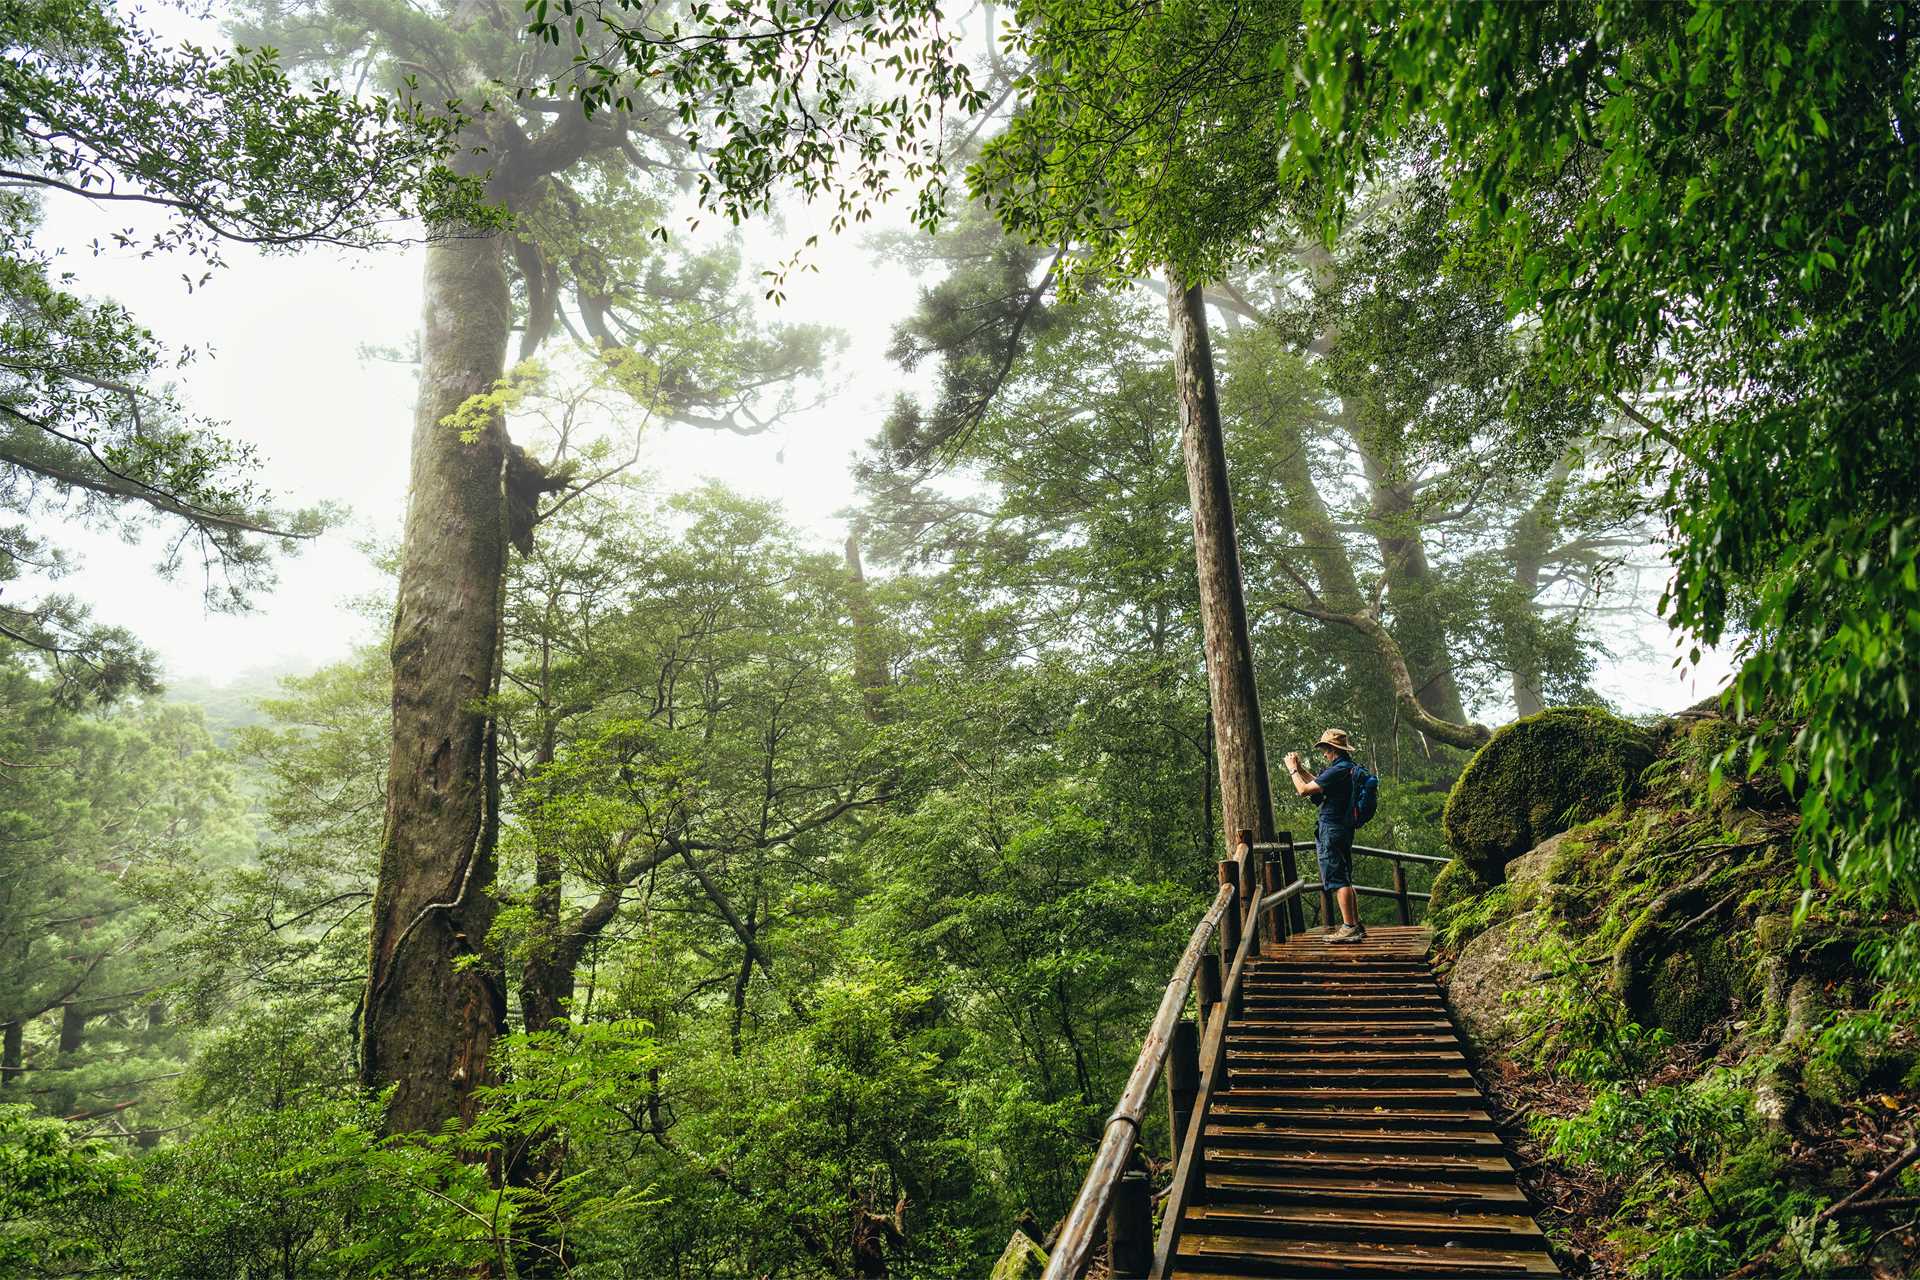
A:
[433, 1006]
[1246, 795]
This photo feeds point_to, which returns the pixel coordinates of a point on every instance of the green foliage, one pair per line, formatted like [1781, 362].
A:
[1458, 912]
[771, 94]
[234, 152]
[1540, 776]
[1144, 137]
[45, 1175]
[1714, 202]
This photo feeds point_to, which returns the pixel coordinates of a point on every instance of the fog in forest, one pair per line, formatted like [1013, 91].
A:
[800, 639]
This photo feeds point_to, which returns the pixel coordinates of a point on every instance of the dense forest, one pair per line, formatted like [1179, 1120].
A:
[662, 887]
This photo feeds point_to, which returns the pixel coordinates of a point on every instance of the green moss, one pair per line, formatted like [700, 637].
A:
[1454, 885]
[1538, 777]
[1692, 988]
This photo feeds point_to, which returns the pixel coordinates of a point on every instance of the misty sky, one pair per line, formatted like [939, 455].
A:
[282, 338]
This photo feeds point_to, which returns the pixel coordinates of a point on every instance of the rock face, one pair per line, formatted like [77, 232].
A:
[1533, 876]
[1536, 778]
[1022, 1259]
[1486, 970]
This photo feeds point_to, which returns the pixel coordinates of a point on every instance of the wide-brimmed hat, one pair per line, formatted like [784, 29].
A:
[1337, 739]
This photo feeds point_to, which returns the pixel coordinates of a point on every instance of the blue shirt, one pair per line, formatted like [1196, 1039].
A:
[1336, 794]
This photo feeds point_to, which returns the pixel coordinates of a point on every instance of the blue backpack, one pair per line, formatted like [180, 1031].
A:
[1366, 796]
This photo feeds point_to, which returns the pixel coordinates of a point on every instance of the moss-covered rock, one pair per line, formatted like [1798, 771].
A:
[1536, 778]
[1541, 876]
[1692, 988]
[1452, 886]
[1022, 1259]
[1489, 968]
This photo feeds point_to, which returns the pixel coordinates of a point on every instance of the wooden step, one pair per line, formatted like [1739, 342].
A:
[1347, 1018]
[1354, 1222]
[1382, 1192]
[1332, 963]
[1362, 1166]
[1360, 1116]
[1273, 1137]
[1348, 991]
[1208, 1256]
[1339, 987]
[1346, 1100]
[1356, 1082]
[1336, 1040]
[1257, 1054]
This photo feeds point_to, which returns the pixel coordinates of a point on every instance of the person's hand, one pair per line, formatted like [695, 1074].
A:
[1293, 759]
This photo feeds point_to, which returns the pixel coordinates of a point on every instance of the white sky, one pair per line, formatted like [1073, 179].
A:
[280, 337]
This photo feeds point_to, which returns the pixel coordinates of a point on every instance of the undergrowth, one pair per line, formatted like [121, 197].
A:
[1723, 1146]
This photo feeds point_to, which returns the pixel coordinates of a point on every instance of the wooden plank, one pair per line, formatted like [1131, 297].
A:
[1303, 1188]
[1437, 1265]
[1512, 1230]
[1323, 1164]
[1464, 1260]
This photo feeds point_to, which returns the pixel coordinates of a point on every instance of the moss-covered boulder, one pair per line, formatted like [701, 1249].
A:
[1022, 1259]
[1554, 863]
[1455, 883]
[1536, 778]
[1489, 967]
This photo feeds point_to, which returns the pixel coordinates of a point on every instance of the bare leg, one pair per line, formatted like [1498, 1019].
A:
[1349, 900]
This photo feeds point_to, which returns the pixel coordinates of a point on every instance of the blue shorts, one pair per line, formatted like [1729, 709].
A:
[1335, 846]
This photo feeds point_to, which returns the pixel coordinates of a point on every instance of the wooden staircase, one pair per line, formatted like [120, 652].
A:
[1350, 1139]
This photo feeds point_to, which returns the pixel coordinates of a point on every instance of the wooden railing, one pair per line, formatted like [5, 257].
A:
[1189, 1053]
[1402, 896]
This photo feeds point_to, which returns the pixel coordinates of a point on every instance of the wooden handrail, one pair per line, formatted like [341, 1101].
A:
[1237, 919]
[1074, 1249]
[1391, 855]
[1280, 897]
[1188, 1173]
[1400, 855]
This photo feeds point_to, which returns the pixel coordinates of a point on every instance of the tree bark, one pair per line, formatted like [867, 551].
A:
[1246, 795]
[1456, 733]
[12, 1053]
[1528, 543]
[1403, 554]
[428, 1020]
[869, 652]
[73, 1028]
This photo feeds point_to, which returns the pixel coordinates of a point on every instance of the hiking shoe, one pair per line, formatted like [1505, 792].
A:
[1345, 933]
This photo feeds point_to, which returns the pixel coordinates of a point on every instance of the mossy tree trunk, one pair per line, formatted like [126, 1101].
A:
[1246, 796]
[433, 1003]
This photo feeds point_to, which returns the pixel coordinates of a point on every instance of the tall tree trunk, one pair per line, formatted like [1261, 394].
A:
[428, 1020]
[1336, 584]
[12, 1053]
[1528, 543]
[1403, 553]
[1246, 795]
[73, 1028]
[869, 650]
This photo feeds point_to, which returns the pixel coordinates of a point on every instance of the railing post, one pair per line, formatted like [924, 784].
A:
[1276, 921]
[1130, 1228]
[1229, 873]
[1296, 910]
[1183, 1080]
[1326, 911]
[1208, 980]
[1400, 893]
[1249, 876]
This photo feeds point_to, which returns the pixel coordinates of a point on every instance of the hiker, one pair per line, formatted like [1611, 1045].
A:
[1332, 790]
